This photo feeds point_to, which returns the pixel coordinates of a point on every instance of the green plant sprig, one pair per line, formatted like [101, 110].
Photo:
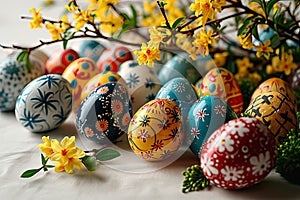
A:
[31, 172]
[194, 179]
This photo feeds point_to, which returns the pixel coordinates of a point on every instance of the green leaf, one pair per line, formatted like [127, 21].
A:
[125, 16]
[177, 22]
[90, 162]
[107, 154]
[270, 5]
[65, 43]
[134, 15]
[255, 32]
[49, 166]
[21, 56]
[247, 25]
[43, 159]
[30, 173]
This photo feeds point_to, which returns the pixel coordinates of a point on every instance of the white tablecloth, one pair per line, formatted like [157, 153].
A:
[115, 180]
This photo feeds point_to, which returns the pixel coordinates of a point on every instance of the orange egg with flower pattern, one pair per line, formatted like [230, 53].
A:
[277, 85]
[154, 132]
[221, 82]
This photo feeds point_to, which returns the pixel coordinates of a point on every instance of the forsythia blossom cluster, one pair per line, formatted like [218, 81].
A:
[65, 153]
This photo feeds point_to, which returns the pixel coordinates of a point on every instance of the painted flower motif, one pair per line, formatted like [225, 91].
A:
[220, 110]
[208, 166]
[101, 125]
[260, 163]
[103, 90]
[224, 142]
[126, 119]
[262, 129]
[143, 135]
[117, 106]
[158, 145]
[179, 87]
[237, 127]
[202, 114]
[231, 173]
[195, 132]
[89, 132]
[147, 155]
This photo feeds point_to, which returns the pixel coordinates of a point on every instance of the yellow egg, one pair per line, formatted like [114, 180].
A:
[276, 111]
[78, 73]
[221, 82]
[100, 79]
[154, 132]
[277, 85]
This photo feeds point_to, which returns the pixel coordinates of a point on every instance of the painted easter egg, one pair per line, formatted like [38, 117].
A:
[78, 73]
[197, 87]
[13, 78]
[276, 111]
[59, 61]
[40, 55]
[277, 85]
[112, 58]
[142, 83]
[180, 65]
[100, 79]
[105, 113]
[239, 154]
[44, 103]
[205, 116]
[154, 132]
[181, 92]
[221, 82]
[91, 49]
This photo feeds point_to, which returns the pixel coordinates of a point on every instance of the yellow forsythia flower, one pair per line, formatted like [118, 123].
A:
[207, 8]
[82, 18]
[264, 49]
[157, 35]
[55, 31]
[65, 24]
[46, 147]
[282, 64]
[204, 39]
[220, 58]
[37, 19]
[246, 41]
[147, 55]
[66, 154]
[71, 7]
[111, 23]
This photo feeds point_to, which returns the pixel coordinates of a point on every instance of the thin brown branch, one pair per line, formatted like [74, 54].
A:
[163, 12]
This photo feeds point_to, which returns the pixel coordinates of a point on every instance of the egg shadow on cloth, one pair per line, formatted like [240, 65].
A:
[271, 187]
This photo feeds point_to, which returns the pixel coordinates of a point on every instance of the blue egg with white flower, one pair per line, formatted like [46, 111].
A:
[205, 116]
[181, 92]
[45, 103]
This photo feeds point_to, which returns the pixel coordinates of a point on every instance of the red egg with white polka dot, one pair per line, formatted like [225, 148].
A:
[239, 154]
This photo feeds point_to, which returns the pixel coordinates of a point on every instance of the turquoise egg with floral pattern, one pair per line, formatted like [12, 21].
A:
[205, 116]
[13, 78]
[45, 103]
[105, 113]
[182, 65]
[181, 92]
[92, 49]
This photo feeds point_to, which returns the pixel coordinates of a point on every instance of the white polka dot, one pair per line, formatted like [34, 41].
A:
[248, 169]
[215, 155]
